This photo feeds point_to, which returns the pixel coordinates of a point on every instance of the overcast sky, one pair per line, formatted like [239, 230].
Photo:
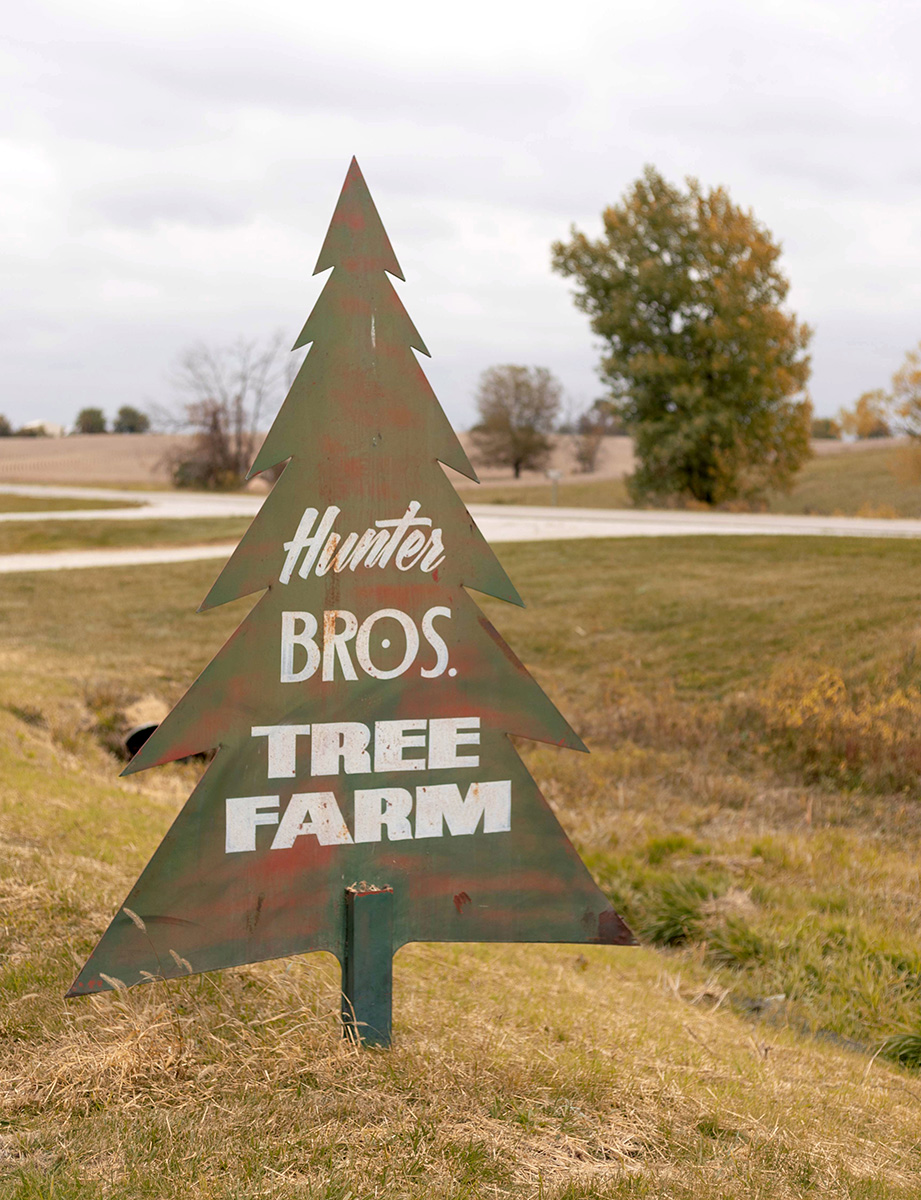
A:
[169, 171]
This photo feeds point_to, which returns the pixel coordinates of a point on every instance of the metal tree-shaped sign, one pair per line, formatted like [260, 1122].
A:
[365, 792]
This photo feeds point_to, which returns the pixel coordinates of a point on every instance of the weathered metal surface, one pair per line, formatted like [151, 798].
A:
[367, 968]
[361, 712]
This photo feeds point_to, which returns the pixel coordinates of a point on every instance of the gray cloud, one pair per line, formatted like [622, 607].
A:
[142, 205]
[147, 91]
[171, 172]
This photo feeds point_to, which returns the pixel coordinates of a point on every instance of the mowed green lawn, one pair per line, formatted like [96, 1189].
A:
[27, 537]
[751, 803]
[575, 492]
[864, 482]
[11, 502]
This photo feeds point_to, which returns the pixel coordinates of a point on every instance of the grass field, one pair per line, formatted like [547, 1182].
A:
[866, 483]
[575, 492]
[884, 482]
[23, 537]
[9, 502]
[752, 803]
[870, 483]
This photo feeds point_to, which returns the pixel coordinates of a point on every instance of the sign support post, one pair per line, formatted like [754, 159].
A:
[367, 967]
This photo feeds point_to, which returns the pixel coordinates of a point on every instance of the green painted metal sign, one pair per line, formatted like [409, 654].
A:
[361, 712]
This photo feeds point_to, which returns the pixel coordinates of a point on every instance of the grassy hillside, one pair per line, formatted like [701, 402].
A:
[577, 492]
[864, 482]
[751, 802]
[884, 483]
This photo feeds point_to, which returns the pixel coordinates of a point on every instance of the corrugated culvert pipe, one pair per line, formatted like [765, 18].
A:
[135, 738]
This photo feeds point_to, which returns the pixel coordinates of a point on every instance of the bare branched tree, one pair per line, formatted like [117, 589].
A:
[518, 408]
[599, 421]
[228, 394]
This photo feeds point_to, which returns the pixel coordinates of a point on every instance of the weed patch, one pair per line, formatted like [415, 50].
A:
[865, 736]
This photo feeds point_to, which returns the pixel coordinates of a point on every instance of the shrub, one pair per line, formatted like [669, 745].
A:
[832, 731]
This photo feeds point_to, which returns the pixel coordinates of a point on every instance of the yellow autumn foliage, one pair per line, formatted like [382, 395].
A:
[842, 732]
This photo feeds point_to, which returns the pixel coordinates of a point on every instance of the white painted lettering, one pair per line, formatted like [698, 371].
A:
[315, 813]
[297, 543]
[370, 547]
[442, 803]
[436, 641]
[391, 738]
[342, 747]
[303, 540]
[434, 555]
[243, 814]
[400, 540]
[343, 553]
[363, 643]
[290, 638]
[380, 813]
[345, 741]
[400, 526]
[282, 747]
[411, 550]
[334, 644]
[299, 630]
[445, 735]
[325, 560]
[378, 808]
[314, 545]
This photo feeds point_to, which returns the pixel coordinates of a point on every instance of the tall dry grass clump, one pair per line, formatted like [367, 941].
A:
[853, 735]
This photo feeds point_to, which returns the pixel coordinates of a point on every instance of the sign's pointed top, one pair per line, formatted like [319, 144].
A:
[356, 238]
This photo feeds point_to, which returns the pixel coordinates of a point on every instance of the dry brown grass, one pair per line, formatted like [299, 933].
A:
[517, 1071]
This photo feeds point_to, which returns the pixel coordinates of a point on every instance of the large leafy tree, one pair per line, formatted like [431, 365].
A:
[906, 393]
[870, 416]
[879, 413]
[90, 420]
[703, 361]
[130, 420]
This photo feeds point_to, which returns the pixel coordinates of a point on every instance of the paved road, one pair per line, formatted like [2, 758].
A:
[499, 523]
[507, 523]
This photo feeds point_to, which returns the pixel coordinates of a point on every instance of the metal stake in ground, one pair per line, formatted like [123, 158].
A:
[367, 966]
